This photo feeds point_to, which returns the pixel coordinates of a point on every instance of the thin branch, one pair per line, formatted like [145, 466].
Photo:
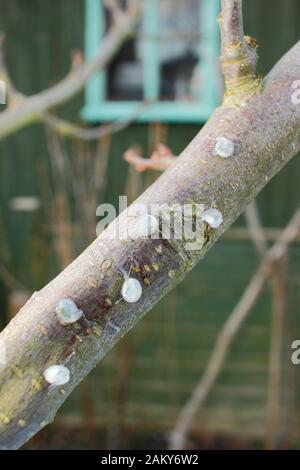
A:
[256, 229]
[233, 28]
[239, 54]
[228, 334]
[161, 159]
[216, 360]
[114, 9]
[14, 98]
[279, 307]
[9, 280]
[242, 234]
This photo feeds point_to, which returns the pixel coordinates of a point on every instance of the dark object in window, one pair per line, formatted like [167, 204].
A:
[177, 77]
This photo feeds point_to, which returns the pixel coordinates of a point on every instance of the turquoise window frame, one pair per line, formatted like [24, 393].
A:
[97, 108]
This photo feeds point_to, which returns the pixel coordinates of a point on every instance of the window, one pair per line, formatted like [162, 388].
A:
[172, 61]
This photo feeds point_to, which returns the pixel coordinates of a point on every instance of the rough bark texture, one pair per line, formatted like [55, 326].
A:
[266, 132]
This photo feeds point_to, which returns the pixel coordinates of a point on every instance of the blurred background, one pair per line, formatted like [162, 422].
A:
[50, 187]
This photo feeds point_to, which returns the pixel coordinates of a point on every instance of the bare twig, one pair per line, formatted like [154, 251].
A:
[114, 9]
[161, 159]
[279, 305]
[9, 279]
[228, 333]
[14, 98]
[232, 24]
[216, 361]
[242, 234]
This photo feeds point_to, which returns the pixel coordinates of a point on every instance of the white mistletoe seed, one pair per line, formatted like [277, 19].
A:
[57, 375]
[67, 311]
[213, 217]
[224, 147]
[131, 290]
[144, 226]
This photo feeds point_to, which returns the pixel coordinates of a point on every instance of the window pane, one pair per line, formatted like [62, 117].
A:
[177, 44]
[125, 72]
